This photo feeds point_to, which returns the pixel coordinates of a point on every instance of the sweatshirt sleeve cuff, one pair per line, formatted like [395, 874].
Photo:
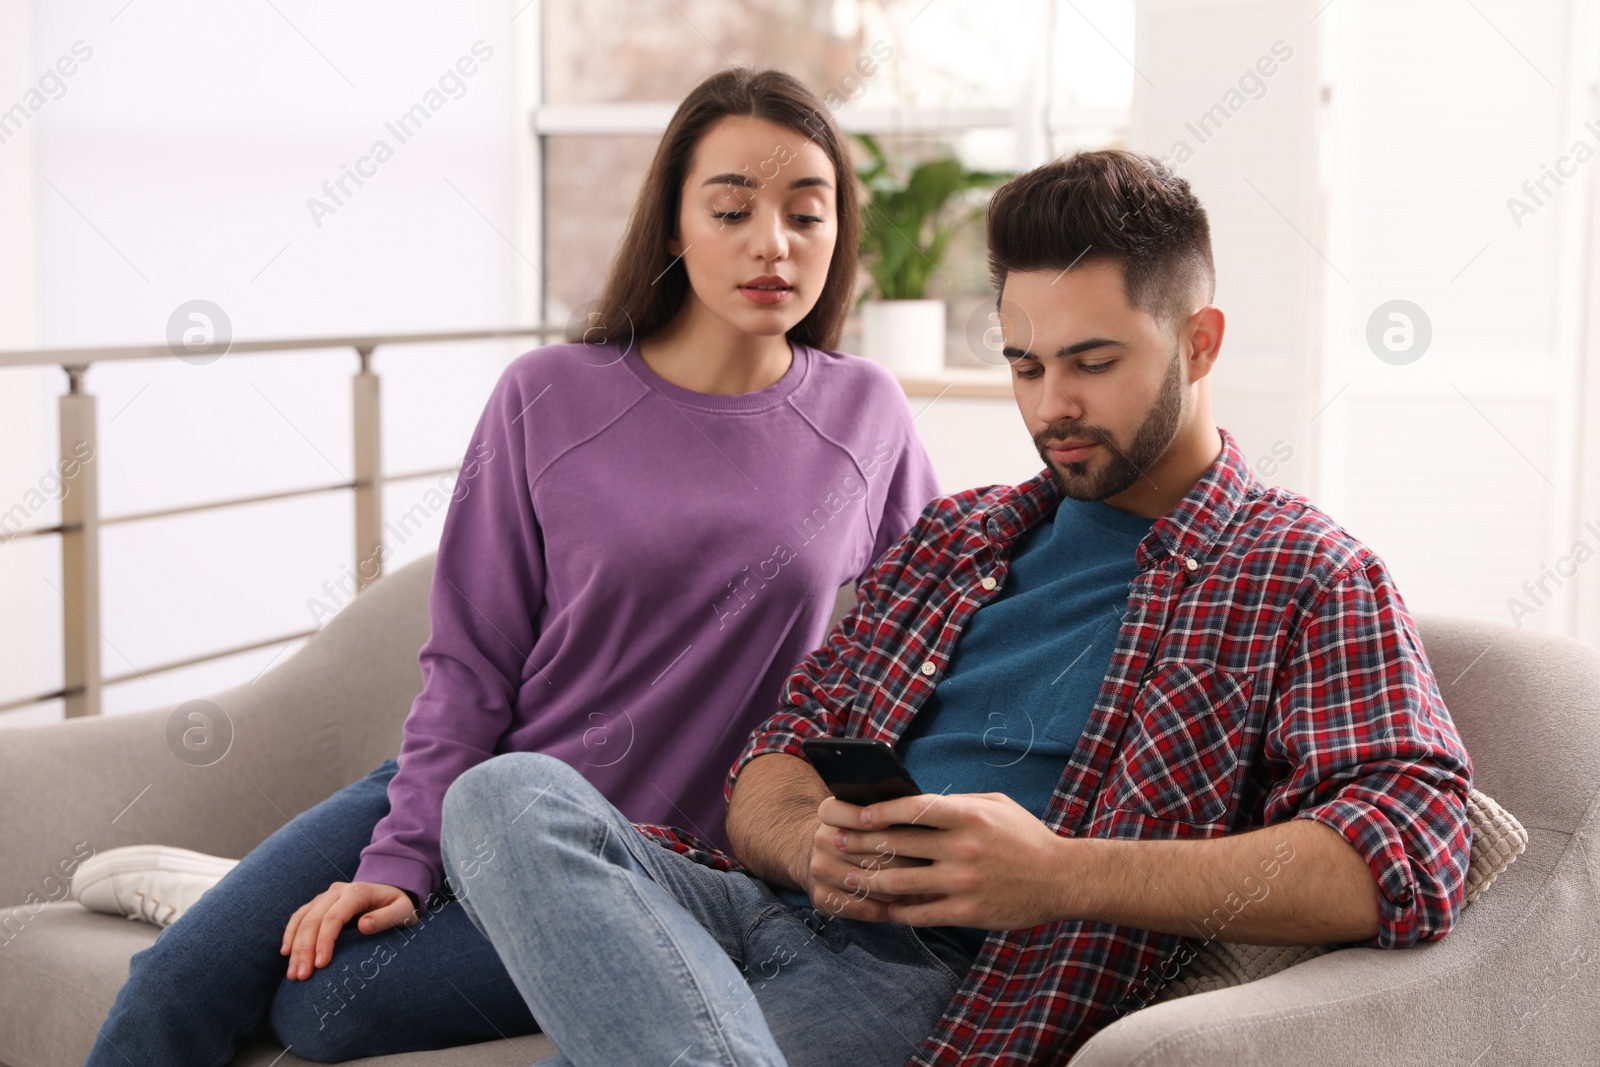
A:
[402, 872]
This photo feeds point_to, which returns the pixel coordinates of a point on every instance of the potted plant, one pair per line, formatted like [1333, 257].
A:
[907, 220]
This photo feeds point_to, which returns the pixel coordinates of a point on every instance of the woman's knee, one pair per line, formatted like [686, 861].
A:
[333, 1016]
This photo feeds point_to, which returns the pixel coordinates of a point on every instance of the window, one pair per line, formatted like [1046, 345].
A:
[1005, 85]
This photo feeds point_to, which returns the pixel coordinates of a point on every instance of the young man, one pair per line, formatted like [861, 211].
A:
[1137, 689]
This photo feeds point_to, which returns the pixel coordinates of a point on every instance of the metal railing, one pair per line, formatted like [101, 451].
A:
[81, 520]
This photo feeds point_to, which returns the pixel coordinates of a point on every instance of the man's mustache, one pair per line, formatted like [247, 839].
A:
[1069, 433]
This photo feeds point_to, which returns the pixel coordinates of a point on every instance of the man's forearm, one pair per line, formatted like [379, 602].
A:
[772, 817]
[1294, 883]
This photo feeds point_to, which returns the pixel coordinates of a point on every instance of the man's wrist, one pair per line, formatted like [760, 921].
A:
[802, 873]
[1079, 867]
[799, 869]
[772, 818]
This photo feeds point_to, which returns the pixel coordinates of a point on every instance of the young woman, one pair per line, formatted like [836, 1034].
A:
[657, 518]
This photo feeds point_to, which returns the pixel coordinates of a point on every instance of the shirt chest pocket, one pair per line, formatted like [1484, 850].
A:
[1179, 758]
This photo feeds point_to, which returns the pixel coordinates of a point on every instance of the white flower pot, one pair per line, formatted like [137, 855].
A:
[907, 336]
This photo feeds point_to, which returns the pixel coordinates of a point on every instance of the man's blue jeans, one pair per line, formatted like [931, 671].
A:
[214, 977]
[628, 952]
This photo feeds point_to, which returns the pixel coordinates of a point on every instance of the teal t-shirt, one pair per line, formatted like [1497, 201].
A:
[1027, 669]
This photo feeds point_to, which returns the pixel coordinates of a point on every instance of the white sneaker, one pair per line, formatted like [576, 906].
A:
[156, 883]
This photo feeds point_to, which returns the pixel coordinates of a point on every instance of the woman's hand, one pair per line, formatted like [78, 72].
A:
[308, 939]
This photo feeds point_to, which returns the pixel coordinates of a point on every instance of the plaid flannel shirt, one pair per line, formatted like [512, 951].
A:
[1266, 669]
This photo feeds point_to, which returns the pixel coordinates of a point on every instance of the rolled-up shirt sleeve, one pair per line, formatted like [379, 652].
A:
[1372, 752]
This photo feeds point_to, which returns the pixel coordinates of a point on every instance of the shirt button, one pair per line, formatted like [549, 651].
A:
[1191, 564]
[928, 667]
[989, 583]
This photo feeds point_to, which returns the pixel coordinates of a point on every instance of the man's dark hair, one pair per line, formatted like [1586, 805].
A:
[1107, 206]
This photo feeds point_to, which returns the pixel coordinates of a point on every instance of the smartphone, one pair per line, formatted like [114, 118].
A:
[859, 770]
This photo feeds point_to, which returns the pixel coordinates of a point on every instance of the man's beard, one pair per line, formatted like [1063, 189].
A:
[1124, 466]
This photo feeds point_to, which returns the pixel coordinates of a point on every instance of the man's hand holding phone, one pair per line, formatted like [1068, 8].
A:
[969, 859]
[987, 862]
[840, 877]
[865, 771]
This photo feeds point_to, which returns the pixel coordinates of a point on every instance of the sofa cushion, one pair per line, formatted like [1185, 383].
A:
[61, 967]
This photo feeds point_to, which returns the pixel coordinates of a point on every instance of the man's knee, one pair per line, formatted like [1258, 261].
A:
[500, 791]
[520, 795]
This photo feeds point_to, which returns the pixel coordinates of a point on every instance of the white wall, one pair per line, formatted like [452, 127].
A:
[1376, 165]
[30, 625]
[1229, 97]
[975, 442]
[1460, 468]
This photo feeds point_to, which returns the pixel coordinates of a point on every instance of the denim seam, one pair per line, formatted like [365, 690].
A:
[765, 915]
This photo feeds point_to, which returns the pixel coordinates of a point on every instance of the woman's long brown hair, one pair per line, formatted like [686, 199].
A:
[647, 285]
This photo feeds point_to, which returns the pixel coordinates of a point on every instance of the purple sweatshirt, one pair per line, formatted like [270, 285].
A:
[630, 570]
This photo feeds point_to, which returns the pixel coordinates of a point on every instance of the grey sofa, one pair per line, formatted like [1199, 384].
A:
[1517, 981]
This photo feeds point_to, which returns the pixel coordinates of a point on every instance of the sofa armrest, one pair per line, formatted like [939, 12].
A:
[86, 785]
[315, 722]
[1514, 982]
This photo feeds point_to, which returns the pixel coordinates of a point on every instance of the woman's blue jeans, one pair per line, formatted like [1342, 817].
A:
[215, 978]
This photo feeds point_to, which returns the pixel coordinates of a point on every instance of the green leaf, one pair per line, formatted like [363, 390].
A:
[906, 224]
